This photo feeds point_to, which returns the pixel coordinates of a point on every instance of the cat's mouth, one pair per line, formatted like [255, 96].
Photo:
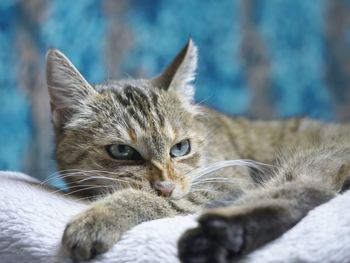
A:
[177, 194]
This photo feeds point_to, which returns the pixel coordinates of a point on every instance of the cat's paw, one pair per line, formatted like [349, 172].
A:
[227, 234]
[216, 240]
[88, 235]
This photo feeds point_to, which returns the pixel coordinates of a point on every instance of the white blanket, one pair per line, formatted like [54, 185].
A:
[32, 222]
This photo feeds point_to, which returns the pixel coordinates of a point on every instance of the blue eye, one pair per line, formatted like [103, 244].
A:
[181, 148]
[123, 152]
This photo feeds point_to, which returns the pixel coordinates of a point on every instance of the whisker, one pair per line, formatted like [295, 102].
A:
[102, 177]
[90, 198]
[218, 178]
[74, 172]
[203, 190]
[61, 175]
[87, 188]
[200, 172]
[75, 186]
[217, 181]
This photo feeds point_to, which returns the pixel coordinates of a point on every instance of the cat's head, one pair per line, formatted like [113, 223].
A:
[140, 133]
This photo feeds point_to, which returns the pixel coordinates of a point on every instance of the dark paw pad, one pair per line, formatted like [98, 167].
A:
[216, 240]
[227, 233]
[195, 247]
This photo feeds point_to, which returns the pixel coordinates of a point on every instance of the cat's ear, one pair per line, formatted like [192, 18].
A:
[181, 72]
[67, 87]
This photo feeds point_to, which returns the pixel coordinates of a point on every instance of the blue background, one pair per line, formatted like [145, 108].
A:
[263, 59]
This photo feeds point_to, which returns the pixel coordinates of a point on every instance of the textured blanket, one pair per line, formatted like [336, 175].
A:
[32, 222]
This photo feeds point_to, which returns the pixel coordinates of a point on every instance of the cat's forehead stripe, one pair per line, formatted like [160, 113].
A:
[141, 105]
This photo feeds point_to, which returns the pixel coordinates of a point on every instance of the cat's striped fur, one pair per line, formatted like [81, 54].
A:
[309, 162]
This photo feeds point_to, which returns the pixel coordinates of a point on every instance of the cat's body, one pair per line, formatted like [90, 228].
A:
[171, 139]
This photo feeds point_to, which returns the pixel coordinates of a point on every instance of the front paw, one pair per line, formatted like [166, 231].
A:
[216, 240]
[88, 235]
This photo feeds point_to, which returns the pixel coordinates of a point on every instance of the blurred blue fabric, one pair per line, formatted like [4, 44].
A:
[263, 59]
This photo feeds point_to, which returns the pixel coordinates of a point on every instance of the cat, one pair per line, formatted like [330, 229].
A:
[142, 149]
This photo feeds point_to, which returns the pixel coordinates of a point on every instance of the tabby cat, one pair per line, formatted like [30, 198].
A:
[141, 149]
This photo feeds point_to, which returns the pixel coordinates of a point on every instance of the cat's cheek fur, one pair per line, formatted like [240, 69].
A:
[181, 189]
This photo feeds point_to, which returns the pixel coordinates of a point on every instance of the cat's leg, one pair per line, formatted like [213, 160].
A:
[227, 234]
[95, 230]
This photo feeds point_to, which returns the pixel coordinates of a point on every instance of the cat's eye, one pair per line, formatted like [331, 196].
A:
[181, 148]
[123, 152]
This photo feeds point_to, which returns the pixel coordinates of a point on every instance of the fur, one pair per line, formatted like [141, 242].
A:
[307, 163]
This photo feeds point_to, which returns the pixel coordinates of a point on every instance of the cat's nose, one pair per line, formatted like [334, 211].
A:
[164, 188]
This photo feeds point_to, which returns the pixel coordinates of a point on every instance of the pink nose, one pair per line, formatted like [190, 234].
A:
[164, 188]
